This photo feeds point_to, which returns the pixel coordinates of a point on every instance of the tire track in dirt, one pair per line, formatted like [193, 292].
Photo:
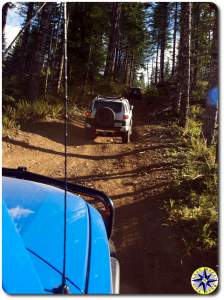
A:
[139, 219]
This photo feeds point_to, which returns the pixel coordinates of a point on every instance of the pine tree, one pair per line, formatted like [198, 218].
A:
[195, 44]
[25, 37]
[163, 36]
[39, 50]
[174, 38]
[113, 40]
[184, 61]
[211, 110]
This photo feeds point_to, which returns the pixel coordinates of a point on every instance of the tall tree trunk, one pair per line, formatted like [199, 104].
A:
[118, 65]
[117, 58]
[195, 44]
[147, 70]
[34, 86]
[131, 69]
[111, 52]
[211, 110]
[133, 73]
[58, 33]
[86, 77]
[156, 67]
[163, 38]
[49, 59]
[60, 74]
[125, 67]
[152, 71]
[177, 92]
[57, 51]
[25, 38]
[174, 39]
[185, 32]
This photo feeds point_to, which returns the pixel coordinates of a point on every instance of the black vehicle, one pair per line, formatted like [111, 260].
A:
[135, 93]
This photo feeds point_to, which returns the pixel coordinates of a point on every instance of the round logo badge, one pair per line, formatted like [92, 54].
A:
[204, 280]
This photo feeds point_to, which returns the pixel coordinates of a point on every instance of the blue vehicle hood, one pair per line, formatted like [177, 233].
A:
[36, 211]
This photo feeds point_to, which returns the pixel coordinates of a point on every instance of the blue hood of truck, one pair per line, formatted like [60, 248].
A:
[33, 241]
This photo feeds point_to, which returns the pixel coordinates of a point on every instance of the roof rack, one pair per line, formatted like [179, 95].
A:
[109, 97]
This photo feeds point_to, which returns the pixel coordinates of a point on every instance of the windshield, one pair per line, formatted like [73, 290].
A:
[115, 106]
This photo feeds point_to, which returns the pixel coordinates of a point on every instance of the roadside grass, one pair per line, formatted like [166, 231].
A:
[17, 112]
[193, 206]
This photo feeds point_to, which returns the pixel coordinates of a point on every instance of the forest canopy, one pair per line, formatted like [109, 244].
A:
[109, 44]
[165, 48]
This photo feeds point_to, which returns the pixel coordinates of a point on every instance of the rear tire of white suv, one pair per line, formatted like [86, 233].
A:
[126, 137]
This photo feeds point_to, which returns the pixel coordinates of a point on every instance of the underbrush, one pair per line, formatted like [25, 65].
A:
[107, 88]
[151, 91]
[21, 111]
[193, 207]
[16, 112]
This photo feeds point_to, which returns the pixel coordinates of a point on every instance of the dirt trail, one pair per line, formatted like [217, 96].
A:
[136, 176]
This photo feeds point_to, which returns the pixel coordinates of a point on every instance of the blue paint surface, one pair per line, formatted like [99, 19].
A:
[99, 273]
[17, 266]
[213, 97]
[37, 213]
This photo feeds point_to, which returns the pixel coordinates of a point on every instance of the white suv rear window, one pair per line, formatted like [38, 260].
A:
[115, 106]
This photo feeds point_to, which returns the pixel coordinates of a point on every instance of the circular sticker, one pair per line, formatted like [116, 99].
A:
[204, 280]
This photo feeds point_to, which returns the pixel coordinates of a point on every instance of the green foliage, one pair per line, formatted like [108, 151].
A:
[17, 112]
[194, 205]
[107, 88]
[141, 30]
[89, 32]
[77, 110]
[134, 30]
[87, 35]
[202, 88]
[151, 91]
[201, 36]
[7, 101]
[9, 112]
[8, 123]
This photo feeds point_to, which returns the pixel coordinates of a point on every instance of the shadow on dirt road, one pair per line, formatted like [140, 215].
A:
[137, 176]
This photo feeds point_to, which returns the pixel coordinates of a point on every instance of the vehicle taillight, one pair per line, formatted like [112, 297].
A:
[87, 113]
[125, 117]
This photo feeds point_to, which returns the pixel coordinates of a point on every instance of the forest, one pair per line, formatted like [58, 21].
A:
[170, 51]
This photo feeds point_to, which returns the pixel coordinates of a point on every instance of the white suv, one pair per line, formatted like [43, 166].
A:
[110, 115]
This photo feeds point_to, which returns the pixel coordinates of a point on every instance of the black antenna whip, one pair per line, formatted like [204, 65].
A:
[63, 288]
[66, 135]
